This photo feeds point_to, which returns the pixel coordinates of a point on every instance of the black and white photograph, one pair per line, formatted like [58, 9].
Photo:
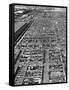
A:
[34, 45]
[40, 44]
